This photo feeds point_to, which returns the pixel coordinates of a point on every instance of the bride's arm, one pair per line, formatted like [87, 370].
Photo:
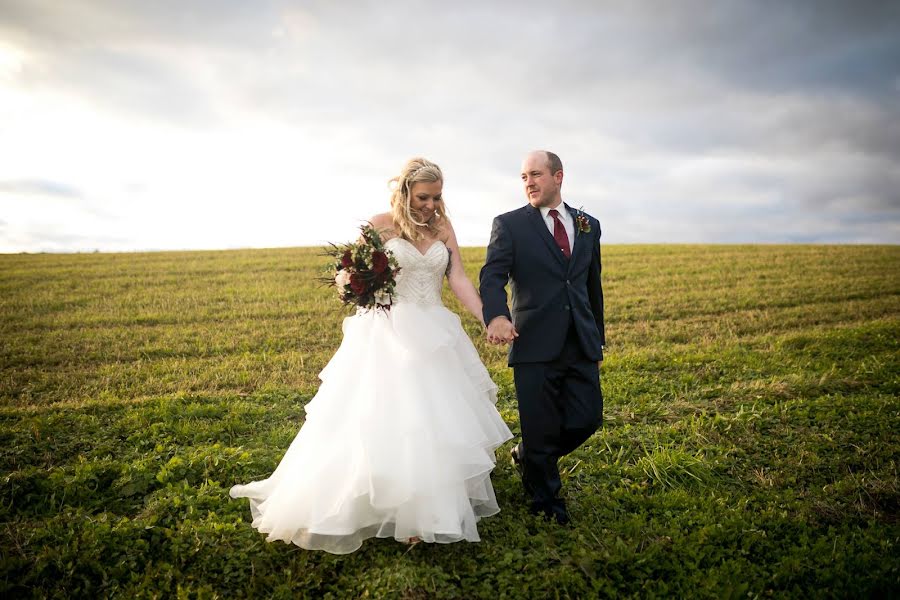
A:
[460, 285]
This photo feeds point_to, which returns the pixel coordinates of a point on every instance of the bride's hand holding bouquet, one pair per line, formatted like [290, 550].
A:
[364, 272]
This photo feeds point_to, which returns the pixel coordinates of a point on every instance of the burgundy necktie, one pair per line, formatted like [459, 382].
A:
[559, 233]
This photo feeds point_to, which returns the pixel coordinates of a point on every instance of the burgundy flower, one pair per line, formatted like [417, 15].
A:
[346, 259]
[357, 284]
[379, 261]
[364, 271]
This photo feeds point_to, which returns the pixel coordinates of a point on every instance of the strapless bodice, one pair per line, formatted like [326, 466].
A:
[421, 276]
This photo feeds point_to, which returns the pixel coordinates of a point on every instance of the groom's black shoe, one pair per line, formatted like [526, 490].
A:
[559, 511]
[555, 512]
[561, 516]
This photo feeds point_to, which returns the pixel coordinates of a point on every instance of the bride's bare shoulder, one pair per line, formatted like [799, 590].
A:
[384, 224]
[445, 231]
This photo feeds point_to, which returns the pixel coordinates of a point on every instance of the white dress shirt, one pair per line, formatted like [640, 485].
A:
[566, 219]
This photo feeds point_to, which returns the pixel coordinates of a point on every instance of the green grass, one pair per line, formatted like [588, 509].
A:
[750, 444]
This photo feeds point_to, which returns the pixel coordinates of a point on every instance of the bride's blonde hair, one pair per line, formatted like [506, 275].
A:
[415, 170]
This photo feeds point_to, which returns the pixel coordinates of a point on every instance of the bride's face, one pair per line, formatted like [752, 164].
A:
[425, 199]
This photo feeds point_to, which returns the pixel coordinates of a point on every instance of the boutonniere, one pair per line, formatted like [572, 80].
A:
[584, 226]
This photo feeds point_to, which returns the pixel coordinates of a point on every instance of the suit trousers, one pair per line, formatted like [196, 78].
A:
[560, 406]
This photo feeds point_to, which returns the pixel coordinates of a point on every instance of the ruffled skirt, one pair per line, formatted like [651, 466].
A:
[398, 442]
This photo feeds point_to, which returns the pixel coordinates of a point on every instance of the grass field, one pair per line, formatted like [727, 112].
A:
[750, 446]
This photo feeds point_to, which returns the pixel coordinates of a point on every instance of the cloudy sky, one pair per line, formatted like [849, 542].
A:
[128, 125]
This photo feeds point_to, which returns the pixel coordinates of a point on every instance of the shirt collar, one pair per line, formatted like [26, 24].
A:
[561, 208]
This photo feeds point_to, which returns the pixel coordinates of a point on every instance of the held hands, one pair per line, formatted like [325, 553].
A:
[501, 331]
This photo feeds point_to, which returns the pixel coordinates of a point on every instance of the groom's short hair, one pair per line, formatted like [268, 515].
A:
[553, 162]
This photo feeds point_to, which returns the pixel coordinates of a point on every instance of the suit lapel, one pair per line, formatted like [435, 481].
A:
[578, 242]
[534, 216]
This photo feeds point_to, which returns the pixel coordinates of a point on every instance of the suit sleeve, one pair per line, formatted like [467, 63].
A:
[595, 289]
[495, 273]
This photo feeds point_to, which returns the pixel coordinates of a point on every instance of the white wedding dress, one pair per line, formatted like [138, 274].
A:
[399, 441]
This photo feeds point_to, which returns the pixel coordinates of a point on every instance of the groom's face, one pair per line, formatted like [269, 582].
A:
[541, 186]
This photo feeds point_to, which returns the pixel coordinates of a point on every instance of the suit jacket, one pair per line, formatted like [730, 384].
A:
[548, 291]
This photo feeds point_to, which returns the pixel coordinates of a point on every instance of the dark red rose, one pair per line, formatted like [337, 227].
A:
[379, 261]
[346, 259]
[357, 284]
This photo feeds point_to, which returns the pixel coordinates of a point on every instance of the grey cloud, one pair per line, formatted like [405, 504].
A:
[47, 191]
[56, 241]
[133, 57]
[39, 187]
[79, 22]
[149, 84]
[758, 45]
[780, 223]
[830, 45]
[800, 98]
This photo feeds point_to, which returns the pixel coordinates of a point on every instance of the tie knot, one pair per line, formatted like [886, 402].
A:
[554, 213]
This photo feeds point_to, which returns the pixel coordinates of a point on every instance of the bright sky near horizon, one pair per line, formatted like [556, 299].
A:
[128, 125]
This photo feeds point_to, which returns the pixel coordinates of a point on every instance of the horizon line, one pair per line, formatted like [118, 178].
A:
[325, 245]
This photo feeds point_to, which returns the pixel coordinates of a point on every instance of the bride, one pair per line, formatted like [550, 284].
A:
[399, 441]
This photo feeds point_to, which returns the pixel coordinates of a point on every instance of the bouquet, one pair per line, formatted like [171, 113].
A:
[364, 272]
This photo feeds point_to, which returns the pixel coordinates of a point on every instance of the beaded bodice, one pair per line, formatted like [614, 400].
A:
[421, 276]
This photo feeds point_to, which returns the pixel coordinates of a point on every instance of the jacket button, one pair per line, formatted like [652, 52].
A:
[567, 282]
[567, 307]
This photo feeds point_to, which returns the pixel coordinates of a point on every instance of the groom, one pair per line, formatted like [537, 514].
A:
[550, 255]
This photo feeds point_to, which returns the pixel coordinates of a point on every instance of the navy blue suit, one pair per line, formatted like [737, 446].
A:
[557, 309]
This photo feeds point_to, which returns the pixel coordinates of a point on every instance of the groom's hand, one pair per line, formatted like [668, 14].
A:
[501, 331]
